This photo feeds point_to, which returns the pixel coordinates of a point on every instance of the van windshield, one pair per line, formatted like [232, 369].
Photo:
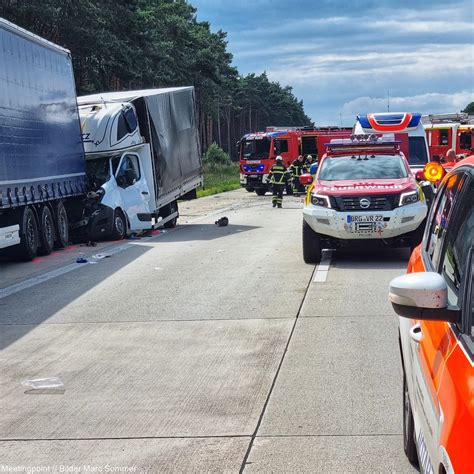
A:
[343, 168]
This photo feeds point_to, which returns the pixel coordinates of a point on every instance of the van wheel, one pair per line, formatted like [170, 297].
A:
[46, 231]
[312, 251]
[28, 246]
[119, 225]
[260, 191]
[62, 226]
[170, 209]
[409, 444]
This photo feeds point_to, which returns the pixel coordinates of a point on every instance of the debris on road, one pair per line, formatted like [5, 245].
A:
[222, 222]
[47, 385]
[81, 260]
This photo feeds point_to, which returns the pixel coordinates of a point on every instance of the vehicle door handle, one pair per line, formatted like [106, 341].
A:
[145, 192]
[415, 333]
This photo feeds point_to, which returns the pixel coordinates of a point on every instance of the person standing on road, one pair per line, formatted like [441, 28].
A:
[297, 169]
[278, 177]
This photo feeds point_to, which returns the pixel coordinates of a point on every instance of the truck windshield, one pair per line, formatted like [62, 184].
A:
[253, 149]
[417, 151]
[341, 168]
[98, 171]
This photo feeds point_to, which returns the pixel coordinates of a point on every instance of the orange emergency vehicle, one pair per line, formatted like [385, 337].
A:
[257, 151]
[436, 303]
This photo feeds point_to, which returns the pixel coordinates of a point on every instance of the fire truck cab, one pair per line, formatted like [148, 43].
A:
[257, 151]
[445, 131]
[403, 125]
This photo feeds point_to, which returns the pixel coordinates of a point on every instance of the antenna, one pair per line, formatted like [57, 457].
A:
[388, 100]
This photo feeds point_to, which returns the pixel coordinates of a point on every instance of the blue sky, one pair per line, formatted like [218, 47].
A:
[341, 57]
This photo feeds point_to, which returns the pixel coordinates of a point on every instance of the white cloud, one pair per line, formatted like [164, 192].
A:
[425, 103]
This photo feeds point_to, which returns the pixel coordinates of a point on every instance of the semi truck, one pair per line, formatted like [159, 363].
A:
[112, 166]
[142, 155]
[42, 165]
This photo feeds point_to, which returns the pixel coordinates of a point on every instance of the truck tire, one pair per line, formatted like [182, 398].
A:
[409, 444]
[170, 209]
[260, 191]
[28, 247]
[46, 231]
[312, 251]
[119, 230]
[249, 189]
[62, 226]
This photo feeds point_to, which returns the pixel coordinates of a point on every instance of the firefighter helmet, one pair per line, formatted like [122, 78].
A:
[279, 158]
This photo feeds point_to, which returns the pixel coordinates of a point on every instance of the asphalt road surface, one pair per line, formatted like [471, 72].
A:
[203, 348]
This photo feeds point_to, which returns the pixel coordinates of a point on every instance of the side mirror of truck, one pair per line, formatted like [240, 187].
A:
[306, 179]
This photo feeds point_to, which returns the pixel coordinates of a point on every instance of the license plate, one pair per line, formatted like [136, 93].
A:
[253, 176]
[365, 223]
[364, 218]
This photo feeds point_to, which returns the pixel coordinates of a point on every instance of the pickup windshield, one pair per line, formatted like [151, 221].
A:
[253, 149]
[341, 168]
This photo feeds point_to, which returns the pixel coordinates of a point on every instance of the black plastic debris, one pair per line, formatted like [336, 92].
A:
[222, 222]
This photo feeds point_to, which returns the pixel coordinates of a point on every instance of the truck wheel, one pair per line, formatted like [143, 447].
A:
[119, 226]
[409, 444]
[261, 191]
[28, 247]
[171, 208]
[62, 226]
[312, 251]
[46, 231]
[249, 189]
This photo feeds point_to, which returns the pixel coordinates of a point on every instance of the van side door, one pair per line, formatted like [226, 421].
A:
[134, 192]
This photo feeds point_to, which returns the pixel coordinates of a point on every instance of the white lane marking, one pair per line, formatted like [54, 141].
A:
[322, 271]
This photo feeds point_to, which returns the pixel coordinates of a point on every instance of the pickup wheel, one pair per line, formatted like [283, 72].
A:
[28, 246]
[260, 191]
[119, 225]
[249, 189]
[62, 226]
[409, 444]
[46, 231]
[312, 250]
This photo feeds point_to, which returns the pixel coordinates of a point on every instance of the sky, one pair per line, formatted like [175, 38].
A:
[343, 58]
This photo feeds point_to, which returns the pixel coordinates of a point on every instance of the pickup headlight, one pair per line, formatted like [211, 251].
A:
[409, 198]
[320, 200]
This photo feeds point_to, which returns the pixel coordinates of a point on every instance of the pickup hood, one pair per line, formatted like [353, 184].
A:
[364, 186]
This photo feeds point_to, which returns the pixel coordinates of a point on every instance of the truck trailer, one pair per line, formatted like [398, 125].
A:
[42, 162]
[142, 155]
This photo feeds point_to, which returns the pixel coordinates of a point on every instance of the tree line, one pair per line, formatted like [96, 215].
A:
[134, 44]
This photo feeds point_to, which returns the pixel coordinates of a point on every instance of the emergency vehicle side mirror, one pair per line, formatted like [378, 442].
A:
[422, 295]
[306, 179]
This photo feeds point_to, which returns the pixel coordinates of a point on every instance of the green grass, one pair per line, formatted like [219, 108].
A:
[219, 178]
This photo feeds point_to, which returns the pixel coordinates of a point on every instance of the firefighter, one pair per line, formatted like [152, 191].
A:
[297, 169]
[278, 177]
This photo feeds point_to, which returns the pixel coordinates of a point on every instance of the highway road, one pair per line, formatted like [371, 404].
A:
[203, 348]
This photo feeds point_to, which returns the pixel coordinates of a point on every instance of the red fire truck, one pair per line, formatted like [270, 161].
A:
[445, 131]
[257, 151]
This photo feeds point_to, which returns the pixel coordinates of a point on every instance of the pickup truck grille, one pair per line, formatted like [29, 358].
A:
[377, 203]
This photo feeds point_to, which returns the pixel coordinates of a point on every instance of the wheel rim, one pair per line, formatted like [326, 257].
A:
[119, 225]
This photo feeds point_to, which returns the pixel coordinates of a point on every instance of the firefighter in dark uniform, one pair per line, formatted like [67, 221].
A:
[278, 177]
[297, 169]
